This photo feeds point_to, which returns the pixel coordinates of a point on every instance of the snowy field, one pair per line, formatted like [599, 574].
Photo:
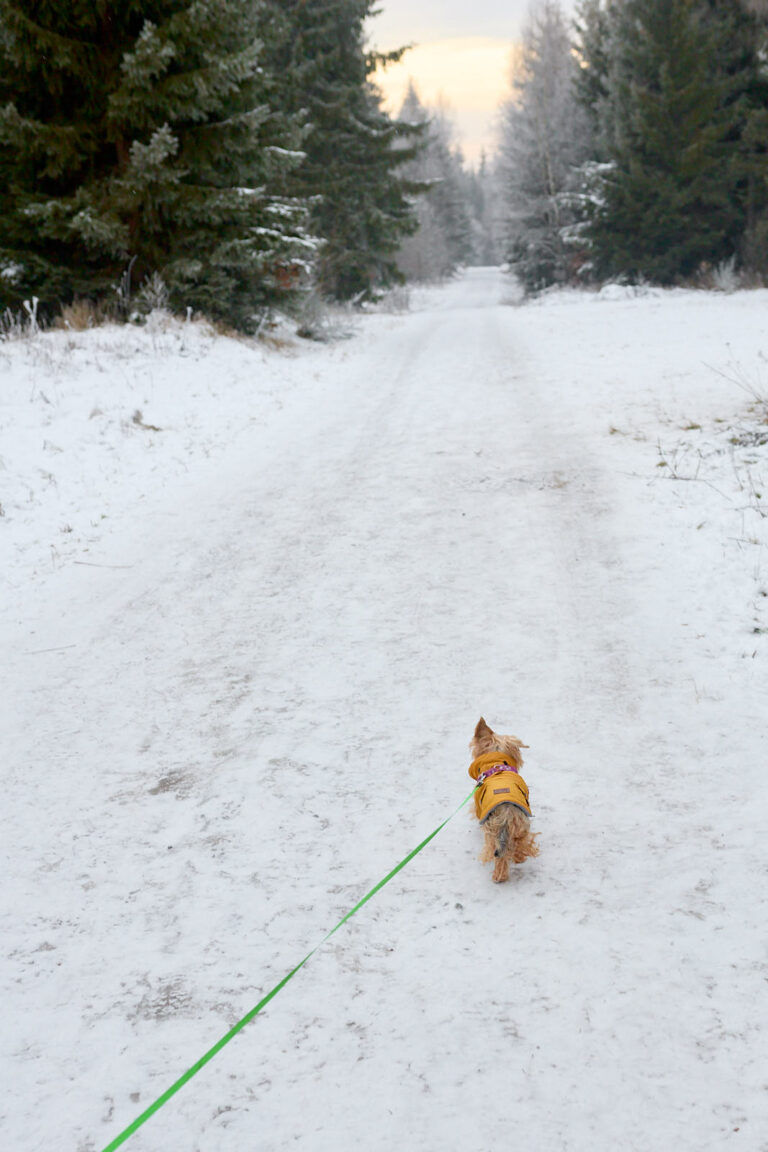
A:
[254, 602]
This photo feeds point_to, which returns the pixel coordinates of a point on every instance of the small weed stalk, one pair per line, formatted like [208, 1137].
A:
[22, 324]
[30, 307]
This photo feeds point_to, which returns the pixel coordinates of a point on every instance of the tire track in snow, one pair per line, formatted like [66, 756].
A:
[435, 528]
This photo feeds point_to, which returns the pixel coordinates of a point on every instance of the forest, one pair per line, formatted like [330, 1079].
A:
[635, 144]
[228, 157]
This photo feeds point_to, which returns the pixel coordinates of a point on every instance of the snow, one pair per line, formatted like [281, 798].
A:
[255, 600]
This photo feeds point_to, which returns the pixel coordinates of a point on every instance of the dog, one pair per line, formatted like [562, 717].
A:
[501, 800]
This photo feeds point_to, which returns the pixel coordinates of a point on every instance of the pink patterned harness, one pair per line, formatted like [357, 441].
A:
[492, 772]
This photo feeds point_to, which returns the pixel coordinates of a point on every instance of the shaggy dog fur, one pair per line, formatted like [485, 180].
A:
[508, 836]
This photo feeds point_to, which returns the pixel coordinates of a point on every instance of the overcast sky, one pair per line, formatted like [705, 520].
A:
[461, 57]
[403, 21]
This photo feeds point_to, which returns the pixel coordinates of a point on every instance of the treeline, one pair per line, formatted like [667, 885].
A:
[455, 223]
[635, 144]
[222, 153]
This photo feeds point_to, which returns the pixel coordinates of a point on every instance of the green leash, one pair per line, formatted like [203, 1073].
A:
[217, 1047]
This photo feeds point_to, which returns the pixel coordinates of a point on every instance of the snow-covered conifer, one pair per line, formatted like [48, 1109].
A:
[482, 191]
[136, 139]
[444, 239]
[544, 139]
[354, 151]
[672, 196]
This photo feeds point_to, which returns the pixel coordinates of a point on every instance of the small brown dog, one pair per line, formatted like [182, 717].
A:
[501, 799]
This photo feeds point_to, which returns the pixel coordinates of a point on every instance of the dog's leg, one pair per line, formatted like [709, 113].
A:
[489, 845]
[504, 830]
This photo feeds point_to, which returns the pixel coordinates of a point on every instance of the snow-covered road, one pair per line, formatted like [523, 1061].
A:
[252, 695]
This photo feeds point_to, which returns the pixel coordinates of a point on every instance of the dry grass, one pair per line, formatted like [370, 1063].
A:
[80, 315]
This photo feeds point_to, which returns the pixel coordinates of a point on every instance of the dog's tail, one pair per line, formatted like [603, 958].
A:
[502, 841]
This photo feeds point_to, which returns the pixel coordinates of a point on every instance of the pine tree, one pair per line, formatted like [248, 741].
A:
[595, 44]
[136, 138]
[670, 200]
[481, 194]
[544, 140]
[444, 238]
[354, 151]
[742, 36]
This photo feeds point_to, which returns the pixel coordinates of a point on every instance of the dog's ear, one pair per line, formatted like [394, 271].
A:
[482, 730]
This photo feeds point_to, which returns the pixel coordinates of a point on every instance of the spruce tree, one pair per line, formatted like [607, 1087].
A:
[451, 194]
[670, 200]
[354, 152]
[742, 41]
[444, 238]
[595, 45]
[482, 196]
[136, 138]
[544, 140]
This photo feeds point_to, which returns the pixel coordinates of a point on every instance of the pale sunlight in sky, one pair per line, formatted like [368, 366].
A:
[460, 58]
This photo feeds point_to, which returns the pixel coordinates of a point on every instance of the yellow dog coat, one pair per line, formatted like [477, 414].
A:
[499, 782]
